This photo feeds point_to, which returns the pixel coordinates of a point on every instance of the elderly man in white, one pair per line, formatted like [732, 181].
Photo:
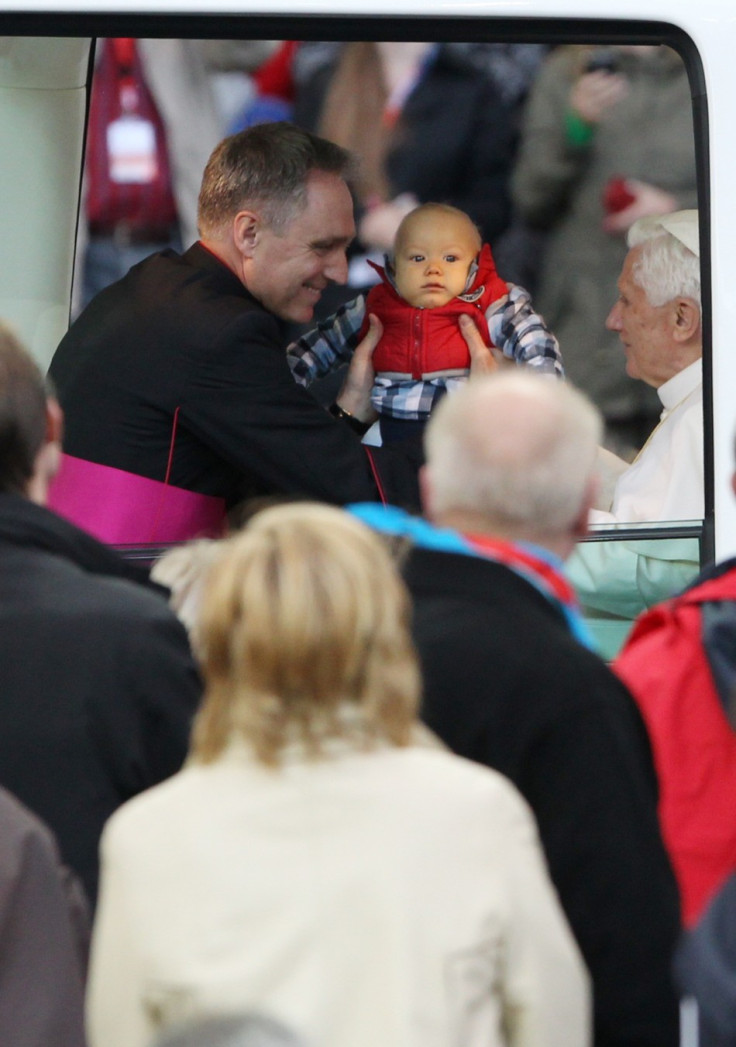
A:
[658, 318]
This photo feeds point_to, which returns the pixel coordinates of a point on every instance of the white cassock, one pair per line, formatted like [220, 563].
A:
[665, 481]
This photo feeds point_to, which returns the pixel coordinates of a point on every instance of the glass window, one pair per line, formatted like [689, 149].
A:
[551, 231]
[620, 572]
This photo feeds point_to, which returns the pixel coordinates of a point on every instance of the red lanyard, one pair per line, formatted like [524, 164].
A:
[525, 562]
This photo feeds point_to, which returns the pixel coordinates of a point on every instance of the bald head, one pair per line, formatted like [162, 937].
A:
[513, 454]
[451, 220]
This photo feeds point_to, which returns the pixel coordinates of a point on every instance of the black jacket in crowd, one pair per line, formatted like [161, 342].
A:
[507, 685]
[98, 687]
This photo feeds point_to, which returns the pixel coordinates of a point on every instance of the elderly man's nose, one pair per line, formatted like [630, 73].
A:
[613, 320]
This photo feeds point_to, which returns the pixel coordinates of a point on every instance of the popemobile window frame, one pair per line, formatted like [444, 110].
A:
[46, 64]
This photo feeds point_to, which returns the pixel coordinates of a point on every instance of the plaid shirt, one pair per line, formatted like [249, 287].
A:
[515, 329]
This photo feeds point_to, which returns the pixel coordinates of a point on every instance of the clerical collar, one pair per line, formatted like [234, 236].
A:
[680, 385]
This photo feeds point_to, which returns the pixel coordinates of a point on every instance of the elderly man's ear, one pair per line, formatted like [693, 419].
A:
[687, 320]
[591, 498]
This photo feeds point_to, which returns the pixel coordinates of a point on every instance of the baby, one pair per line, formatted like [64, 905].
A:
[439, 270]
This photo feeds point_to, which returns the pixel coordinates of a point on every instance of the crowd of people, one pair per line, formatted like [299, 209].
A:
[343, 767]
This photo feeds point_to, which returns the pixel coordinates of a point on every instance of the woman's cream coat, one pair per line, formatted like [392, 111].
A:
[394, 898]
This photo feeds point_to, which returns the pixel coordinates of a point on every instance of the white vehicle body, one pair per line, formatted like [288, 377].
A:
[45, 124]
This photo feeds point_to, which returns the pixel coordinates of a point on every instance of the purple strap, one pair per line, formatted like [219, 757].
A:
[121, 508]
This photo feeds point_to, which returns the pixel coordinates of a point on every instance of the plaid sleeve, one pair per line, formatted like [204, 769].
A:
[329, 345]
[522, 335]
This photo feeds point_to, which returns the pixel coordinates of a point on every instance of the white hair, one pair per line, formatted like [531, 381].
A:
[518, 449]
[184, 569]
[665, 268]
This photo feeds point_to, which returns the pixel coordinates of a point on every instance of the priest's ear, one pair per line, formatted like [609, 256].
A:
[247, 226]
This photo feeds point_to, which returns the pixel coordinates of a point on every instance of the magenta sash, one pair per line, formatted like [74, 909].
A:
[120, 508]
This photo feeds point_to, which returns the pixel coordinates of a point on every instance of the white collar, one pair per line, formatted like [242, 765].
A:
[675, 389]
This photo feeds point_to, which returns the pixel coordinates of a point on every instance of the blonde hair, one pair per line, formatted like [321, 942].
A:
[304, 636]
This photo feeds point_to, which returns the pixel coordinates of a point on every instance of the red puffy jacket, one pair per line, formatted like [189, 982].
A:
[679, 662]
[421, 344]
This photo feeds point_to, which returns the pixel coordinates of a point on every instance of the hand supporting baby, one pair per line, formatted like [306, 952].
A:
[483, 359]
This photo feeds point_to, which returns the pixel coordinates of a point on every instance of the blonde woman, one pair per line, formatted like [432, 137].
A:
[312, 862]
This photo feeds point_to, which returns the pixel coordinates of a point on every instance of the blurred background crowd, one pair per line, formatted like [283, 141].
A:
[554, 153]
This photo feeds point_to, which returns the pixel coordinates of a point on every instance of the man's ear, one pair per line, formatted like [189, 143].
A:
[246, 232]
[733, 483]
[425, 491]
[687, 319]
[581, 524]
[54, 421]
[48, 459]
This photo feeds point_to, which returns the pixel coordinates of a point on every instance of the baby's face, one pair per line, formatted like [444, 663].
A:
[432, 258]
